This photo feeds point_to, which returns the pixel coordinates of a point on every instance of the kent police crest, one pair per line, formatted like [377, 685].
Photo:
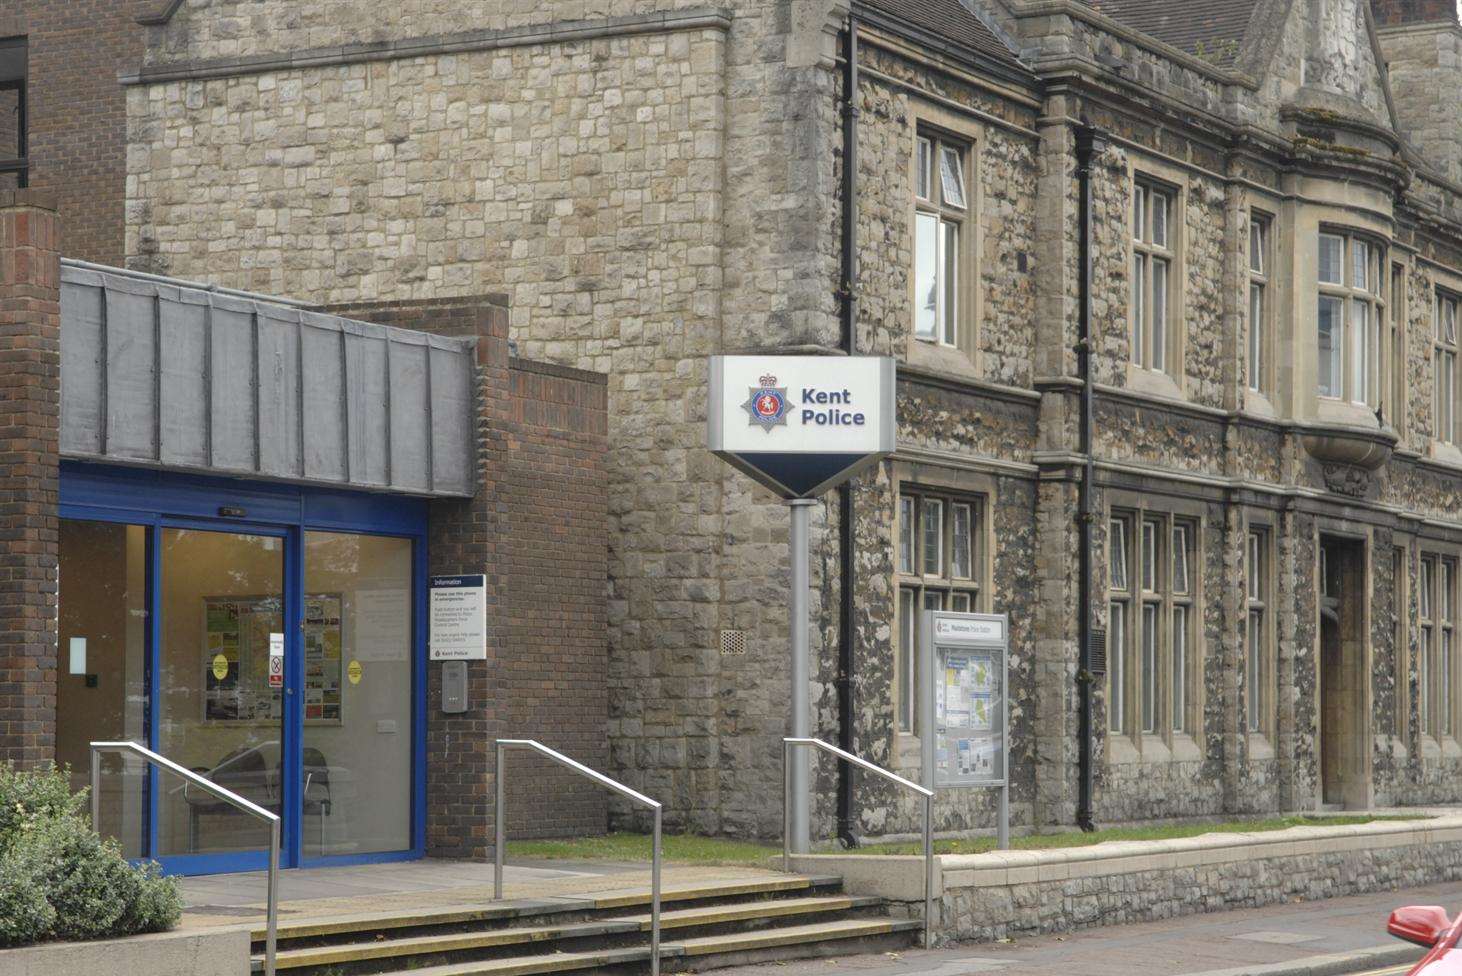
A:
[767, 404]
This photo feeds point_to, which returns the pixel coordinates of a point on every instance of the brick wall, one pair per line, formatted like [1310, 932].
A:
[538, 529]
[30, 410]
[78, 111]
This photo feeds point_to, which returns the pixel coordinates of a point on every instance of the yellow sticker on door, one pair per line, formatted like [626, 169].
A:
[353, 671]
[220, 667]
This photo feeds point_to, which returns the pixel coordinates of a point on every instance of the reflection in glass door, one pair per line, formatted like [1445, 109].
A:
[355, 771]
[101, 689]
[220, 710]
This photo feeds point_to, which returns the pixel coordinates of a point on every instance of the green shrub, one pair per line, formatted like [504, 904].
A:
[27, 796]
[61, 880]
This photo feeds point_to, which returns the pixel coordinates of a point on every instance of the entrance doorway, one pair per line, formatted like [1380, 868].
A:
[1343, 654]
[279, 655]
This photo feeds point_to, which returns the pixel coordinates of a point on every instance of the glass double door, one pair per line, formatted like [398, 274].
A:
[275, 662]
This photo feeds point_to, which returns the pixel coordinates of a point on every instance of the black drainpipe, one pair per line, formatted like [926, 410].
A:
[849, 296]
[1090, 142]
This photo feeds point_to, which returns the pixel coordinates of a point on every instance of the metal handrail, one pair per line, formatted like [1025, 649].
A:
[790, 742]
[228, 796]
[500, 829]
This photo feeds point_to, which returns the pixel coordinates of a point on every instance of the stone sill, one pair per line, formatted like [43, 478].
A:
[901, 877]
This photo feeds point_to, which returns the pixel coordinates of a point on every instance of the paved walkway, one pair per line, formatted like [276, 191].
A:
[1279, 939]
[233, 899]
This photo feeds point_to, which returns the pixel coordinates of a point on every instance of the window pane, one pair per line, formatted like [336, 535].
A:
[1149, 667]
[950, 269]
[1116, 666]
[933, 599]
[951, 177]
[357, 741]
[1360, 332]
[1331, 335]
[960, 555]
[1446, 591]
[1180, 668]
[1180, 559]
[933, 539]
[1444, 684]
[922, 164]
[1149, 556]
[1360, 260]
[1425, 596]
[1256, 336]
[926, 276]
[1139, 309]
[1159, 219]
[1139, 213]
[1449, 320]
[1332, 250]
[1117, 554]
[1256, 556]
[908, 693]
[1159, 314]
[906, 534]
[1258, 236]
[959, 602]
[1424, 680]
[1255, 666]
[101, 677]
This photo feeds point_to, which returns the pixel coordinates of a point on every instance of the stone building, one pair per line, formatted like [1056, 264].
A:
[1270, 196]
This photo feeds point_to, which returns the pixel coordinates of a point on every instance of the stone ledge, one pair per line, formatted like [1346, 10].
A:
[992, 894]
[713, 18]
[901, 877]
[216, 952]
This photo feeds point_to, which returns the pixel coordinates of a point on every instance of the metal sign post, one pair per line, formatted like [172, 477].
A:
[801, 425]
[963, 698]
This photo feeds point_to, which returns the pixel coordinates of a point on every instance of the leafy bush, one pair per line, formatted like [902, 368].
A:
[61, 880]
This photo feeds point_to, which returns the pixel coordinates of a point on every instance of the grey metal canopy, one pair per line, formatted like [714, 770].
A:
[171, 374]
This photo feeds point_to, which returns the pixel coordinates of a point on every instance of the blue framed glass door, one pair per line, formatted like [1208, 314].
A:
[222, 701]
[234, 573]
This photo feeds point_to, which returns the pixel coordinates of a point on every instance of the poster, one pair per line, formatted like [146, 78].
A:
[967, 699]
[237, 636]
[458, 618]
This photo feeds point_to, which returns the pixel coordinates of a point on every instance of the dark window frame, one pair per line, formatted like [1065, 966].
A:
[20, 164]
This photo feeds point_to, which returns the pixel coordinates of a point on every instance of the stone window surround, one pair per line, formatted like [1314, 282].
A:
[963, 358]
[1166, 745]
[1433, 745]
[1261, 277]
[1401, 550]
[1394, 395]
[1171, 381]
[959, 484]
[1261, 740]
[1444, 297]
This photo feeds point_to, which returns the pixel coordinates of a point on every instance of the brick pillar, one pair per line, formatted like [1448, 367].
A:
[30, 413]
[1391, 13]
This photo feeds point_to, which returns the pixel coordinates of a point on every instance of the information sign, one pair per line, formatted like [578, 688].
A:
[458, 615]
[964, 699]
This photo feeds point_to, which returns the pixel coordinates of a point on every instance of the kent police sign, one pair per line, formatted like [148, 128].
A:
[801, 424]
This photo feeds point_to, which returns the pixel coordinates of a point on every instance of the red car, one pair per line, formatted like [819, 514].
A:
[1428, 926]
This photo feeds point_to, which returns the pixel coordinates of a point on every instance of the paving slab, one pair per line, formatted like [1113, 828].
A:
[1295, 939]
[321, 893]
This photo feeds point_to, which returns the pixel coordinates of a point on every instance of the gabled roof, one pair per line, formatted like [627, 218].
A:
[951, 21]
[1211, 29]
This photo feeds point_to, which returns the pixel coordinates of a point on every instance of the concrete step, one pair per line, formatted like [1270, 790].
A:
[561, 909]
[439, 946]
[702, 926]
[828, 938]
